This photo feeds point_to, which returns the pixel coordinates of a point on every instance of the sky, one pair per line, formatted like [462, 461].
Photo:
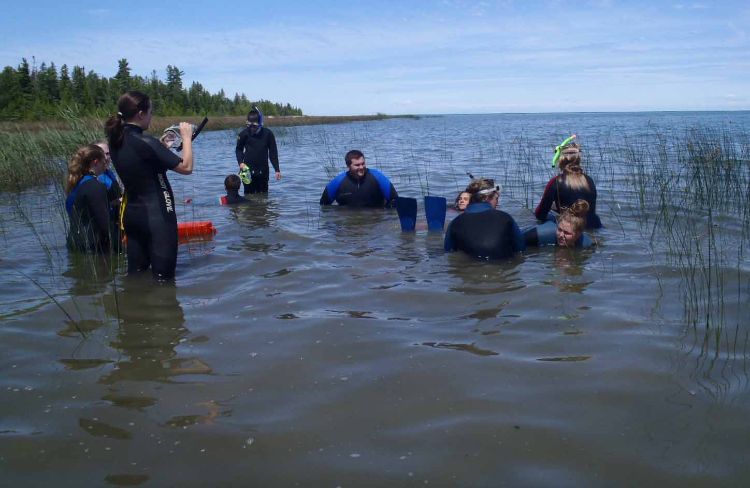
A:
[411, 57]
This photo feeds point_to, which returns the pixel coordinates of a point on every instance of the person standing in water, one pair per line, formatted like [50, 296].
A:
[255, 146]
[86, 202]
[570, 185]
[148, 216]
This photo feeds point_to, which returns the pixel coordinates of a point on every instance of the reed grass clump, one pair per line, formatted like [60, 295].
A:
[29, 158]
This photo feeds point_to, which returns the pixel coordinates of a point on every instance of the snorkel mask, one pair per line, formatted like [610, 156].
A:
[254, 126]
[559, 149]
[172, 138]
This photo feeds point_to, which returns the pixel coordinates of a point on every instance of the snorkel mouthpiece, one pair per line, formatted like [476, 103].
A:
[558, 149]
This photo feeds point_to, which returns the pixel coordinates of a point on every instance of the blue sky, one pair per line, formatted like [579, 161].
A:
[450, 56]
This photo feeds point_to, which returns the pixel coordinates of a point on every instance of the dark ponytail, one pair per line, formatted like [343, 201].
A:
[128, 106]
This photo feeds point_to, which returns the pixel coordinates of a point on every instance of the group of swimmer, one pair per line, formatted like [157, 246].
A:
[101, 212]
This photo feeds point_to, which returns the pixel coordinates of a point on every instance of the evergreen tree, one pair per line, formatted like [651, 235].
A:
[28, 92]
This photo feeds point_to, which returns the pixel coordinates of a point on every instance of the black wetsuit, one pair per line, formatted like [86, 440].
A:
[484, 232]
[373, 190]
[255, 150]
[113, 193]
[233, 196]
[90, 223]
[559, 195]
[150, 220]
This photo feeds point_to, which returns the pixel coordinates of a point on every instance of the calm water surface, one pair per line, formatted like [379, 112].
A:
[323, 347]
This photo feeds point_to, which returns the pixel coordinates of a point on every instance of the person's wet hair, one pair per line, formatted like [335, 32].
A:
[575, 215]
[570, 165]
[232, 182]
[482, 189]
[80, 164]
[352, 155]
[128, 106]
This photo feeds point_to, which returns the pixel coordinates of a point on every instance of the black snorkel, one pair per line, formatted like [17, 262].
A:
[196, 131]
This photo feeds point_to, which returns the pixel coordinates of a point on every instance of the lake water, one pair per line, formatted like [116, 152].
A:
[323, 347]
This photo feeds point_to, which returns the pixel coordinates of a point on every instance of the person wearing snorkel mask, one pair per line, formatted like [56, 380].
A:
[570, 185]
[483, 231]
[255, 146]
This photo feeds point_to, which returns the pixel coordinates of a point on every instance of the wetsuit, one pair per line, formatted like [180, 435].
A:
[559, 195]
[113, 192]
[255, 150]
[373, 190]
[546, 235]
[88, 210]
[232, 197]
[150, 220]
[484, 232]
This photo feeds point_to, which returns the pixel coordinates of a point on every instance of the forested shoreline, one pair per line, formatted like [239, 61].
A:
[31, 92]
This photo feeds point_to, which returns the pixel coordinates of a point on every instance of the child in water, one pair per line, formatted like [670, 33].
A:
[232, 186]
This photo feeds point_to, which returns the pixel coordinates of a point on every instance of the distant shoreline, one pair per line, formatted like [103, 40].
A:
[220, 122]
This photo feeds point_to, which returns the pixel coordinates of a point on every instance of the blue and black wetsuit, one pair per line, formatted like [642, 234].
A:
[558, 194]
[255, 150]
[484, 232]
[150, 220]
[373, 190]
[90, 223]
[546, 235]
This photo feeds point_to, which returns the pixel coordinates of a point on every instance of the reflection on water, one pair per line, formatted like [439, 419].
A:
[151, 325]
[324, 347]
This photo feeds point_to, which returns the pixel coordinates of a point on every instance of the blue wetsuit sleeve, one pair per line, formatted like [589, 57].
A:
[394, 196]
[332, 189]
[386, 187]
[325, 199]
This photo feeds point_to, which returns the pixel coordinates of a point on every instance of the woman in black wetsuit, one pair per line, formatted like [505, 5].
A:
[571, 185]
[142, 162]
[87, 203]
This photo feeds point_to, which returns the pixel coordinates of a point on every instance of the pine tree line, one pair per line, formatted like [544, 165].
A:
[38, 93]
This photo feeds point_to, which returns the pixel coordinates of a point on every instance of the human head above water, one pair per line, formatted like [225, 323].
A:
[254, 120]
[89, 159]
[462, 200]
[570, 156]
[484, 190]
[133, 107]
[355, 162]
[571, 223]
[232, 182]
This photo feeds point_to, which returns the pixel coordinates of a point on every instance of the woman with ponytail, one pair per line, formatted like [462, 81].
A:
[570, 185]
[567, 233]
[148, 216]
[87, 203]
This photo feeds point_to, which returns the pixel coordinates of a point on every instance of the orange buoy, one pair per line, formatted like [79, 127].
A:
[195, 230]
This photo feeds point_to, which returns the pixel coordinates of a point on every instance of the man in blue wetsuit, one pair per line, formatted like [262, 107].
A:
[359, 186]
[482, 231]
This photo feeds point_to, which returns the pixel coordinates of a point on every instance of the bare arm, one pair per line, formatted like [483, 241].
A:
[186, 165]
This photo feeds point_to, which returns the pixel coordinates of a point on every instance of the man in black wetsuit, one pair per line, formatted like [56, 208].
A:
[359, 186]
[482, 231]
[255, 146]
